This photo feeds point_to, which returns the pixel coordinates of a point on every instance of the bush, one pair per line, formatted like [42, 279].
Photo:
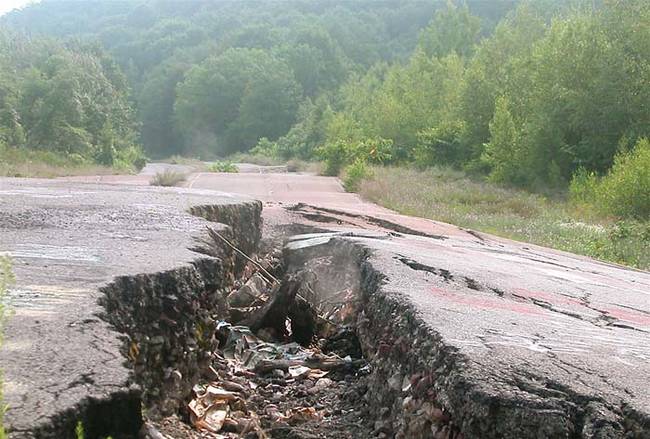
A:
[354, 174]
[223, 167]
[502, 153]
[625, 190]
[340, 153]
[266, 148]
[440, 146]
[583, 186]
[129, 159]
[335, 155]
[167, 178]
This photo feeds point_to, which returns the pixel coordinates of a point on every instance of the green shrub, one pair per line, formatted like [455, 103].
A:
[440, 146]
[583, 187]
[503, 153]
[131, 158]
[354, 174]
[625, 190]
[223, 167]
[335, 156]
[340, 153]
[266, 148]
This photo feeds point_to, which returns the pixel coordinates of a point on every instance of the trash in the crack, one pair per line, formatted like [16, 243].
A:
[209, 409]
[303, 414]
[278, 364]
[299, 371]
[252, 291]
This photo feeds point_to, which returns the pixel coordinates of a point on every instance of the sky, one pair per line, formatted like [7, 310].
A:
[8, 5]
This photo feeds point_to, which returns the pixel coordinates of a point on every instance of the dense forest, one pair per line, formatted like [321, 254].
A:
[538, 94]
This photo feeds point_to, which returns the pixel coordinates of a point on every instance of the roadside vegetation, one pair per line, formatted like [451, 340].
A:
[64, 109]
[223, 166]
[168, 177]
[22, 162]
[448, 195]
[6, 279]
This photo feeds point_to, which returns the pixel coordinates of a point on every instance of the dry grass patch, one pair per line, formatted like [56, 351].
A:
[168, 177]
[450, 196]
[46, 170]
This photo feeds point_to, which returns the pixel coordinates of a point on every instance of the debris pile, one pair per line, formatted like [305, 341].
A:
[287, 366]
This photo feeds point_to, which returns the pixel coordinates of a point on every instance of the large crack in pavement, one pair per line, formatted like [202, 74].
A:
[459, 337]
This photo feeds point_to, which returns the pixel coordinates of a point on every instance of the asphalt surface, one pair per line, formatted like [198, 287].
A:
[67, 240]
[525, 318]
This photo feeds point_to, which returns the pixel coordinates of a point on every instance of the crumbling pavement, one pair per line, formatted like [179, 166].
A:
[431, 331]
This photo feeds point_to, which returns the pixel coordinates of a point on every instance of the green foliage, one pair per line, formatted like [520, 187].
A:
[583, 188]
[354, 174]
[440, 146]
[168, 177]
[453, 30]
[335, 156]
[223, 167]
[227, 103]
[69, 100]
[503, 152]
[157, 45]
[625, 190]
[79, 430]
[338, 154]
[304, 137]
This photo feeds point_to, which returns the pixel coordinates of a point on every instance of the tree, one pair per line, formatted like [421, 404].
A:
[160, 136]
[503, 153]
[454, 29]
[68, 100]
[229, 102]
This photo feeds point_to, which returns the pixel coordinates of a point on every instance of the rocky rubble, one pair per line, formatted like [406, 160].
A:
[262, 383]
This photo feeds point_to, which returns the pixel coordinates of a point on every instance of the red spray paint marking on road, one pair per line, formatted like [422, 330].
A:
[628, 315]
[489, 303]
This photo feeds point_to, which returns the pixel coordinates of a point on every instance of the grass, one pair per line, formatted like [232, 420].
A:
[6, 279]
[44, 164]
[168, 177]
[38, 164]
[450, 196]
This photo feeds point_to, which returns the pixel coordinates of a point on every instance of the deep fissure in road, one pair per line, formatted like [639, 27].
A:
[287, 344]
[300, 336]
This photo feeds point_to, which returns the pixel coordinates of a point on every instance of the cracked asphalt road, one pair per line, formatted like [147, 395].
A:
[67, 240]
[534, 326]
